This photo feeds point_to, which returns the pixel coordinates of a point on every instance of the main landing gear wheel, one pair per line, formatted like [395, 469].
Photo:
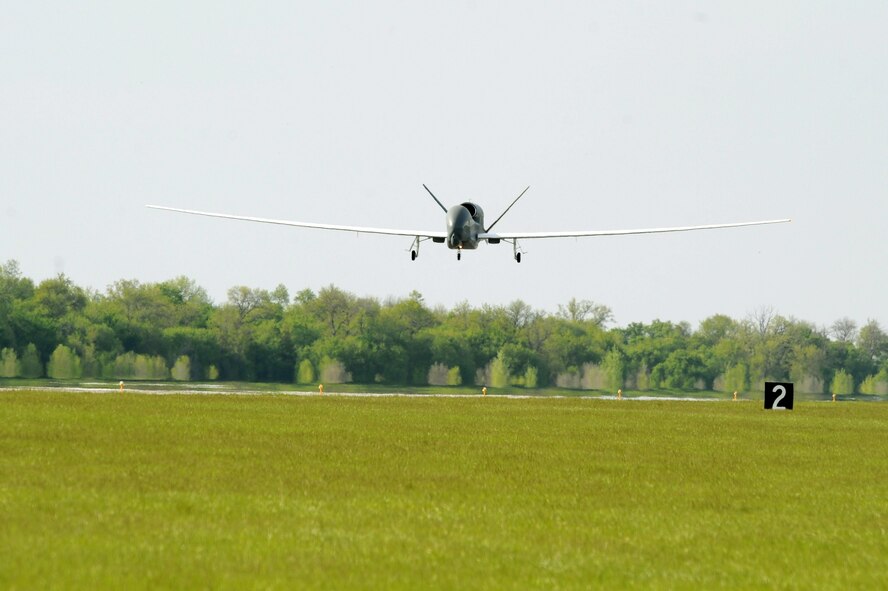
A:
[516, 252]
[413, 255]
[459, 256]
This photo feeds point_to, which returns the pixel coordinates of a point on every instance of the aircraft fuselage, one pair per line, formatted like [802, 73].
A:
[464, 223]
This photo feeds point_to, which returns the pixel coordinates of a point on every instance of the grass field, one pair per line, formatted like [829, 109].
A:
[273, 491]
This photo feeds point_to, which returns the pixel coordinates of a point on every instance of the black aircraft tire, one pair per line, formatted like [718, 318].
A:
[518, 257]
[412, 255]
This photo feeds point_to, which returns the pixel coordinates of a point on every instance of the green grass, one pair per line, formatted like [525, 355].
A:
[138, 491]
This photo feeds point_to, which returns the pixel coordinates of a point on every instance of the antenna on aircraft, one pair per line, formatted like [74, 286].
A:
[507, 209]
[435, 198]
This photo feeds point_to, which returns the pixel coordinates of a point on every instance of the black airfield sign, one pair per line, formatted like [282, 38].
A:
[778, 395]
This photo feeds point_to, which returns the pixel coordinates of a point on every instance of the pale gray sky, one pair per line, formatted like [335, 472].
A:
[618, 114]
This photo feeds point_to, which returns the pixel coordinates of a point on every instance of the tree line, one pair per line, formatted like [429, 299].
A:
[173, 330]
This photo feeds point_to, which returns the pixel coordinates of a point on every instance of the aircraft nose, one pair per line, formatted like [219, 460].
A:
[458, 219]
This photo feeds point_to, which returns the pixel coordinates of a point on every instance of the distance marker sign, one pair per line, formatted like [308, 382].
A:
[778, 395]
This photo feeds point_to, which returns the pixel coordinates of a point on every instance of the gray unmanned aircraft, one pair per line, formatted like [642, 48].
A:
[466, 229]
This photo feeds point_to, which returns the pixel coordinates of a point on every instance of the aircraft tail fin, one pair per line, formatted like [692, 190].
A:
[507, 209]
[435, 198]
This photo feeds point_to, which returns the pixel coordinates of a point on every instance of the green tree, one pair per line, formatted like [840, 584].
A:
[586, 311]
[9, 363]
[842, 383]
[334, 309]
[844, 330]
[642, 378]
[280, 296]
[517, 358]
[32, 367]
[158, 368]
[268, 336]
[499, 372]
[182, 369]
[334, 372]
[682, 369]
[735, 379]
[613, 369]
[14, 290]
[843, 355]
[454, 378]
[305, 374]
[876, 385]
[520, 314]
[452, 345]
[716, 329]
[63, 364]
[247, 331]
[873, 342]
[90, 363]
[648, 345]
[437, 375]
[190, 302]
[124, 366]
[571, 345]
[530, 377]
[138, 313]
[198, 344]
[30, 324]
[59, 296]
[401, 337]
[807, 368]
[136, 366]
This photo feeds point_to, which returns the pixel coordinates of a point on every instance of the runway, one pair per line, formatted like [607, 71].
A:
[160, 389]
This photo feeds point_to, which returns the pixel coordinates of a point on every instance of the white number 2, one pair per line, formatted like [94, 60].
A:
[778, 388]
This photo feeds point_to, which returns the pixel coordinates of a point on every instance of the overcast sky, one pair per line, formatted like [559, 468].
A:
[618, 114]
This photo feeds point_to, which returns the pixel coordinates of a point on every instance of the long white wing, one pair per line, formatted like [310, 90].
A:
[583, 233]
[362, 229]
